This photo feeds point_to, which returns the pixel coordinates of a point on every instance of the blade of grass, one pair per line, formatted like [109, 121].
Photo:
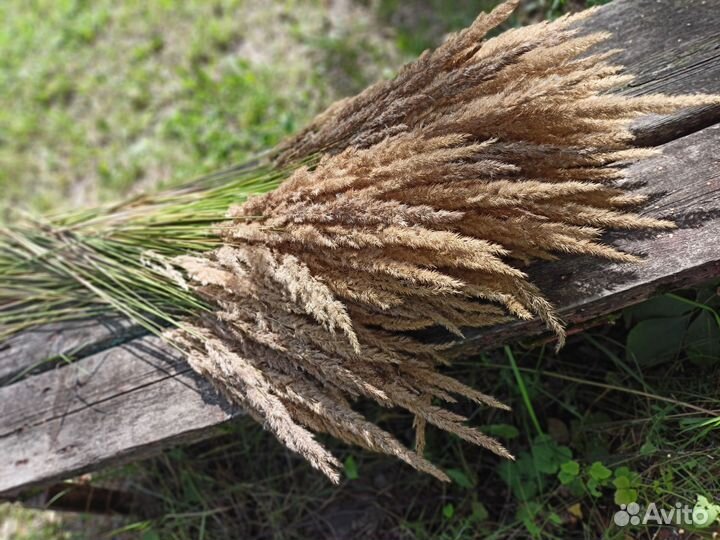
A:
[523, 390]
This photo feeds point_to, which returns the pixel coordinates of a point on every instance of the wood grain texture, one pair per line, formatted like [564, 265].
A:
[670, 46]
[120, 403]
[41, 348]
[684, 183]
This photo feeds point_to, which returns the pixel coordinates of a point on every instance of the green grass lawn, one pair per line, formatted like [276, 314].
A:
[102, 98]
[98, 98]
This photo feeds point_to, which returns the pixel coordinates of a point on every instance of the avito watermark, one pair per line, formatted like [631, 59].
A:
[703, 514]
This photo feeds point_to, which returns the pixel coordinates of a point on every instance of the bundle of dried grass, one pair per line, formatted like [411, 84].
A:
[418, 203]
[433, 188]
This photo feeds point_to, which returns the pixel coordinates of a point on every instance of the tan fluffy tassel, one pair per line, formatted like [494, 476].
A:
[433, 189]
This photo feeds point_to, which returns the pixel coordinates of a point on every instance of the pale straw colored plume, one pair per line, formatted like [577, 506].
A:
[433, 189]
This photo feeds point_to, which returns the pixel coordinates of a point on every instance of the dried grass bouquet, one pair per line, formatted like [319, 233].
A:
[410, 206]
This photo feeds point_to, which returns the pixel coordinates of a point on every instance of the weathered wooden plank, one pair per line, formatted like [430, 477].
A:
[121, 403]
[118, 404]
[664, 43]
[685, 184]
[23, 353]
[671, 46]
[61, 392]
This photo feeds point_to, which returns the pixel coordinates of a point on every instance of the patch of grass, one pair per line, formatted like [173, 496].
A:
[421, 24]
[97, 98]
[18, 523]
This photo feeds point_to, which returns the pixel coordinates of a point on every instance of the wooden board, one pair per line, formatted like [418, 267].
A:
[671, 46]
[119, 402]
[685, 180]
[41, 348]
